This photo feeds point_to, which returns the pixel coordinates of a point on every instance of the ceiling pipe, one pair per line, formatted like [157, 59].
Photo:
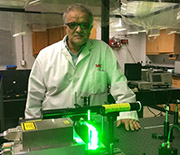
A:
[17, 10]
[105, 20]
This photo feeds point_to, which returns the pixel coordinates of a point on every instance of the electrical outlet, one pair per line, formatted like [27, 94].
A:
[23, 62]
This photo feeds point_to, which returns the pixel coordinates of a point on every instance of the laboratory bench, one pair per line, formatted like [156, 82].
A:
[157, 97]
[146, 141]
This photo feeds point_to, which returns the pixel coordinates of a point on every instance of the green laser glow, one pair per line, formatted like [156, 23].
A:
[77, 138]
[93, 139]
[89, 115]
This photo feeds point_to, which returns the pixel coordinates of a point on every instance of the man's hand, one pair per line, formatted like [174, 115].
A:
[133, 124]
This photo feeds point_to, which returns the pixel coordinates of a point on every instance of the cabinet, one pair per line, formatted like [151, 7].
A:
[176, 82]
[39, 41]
[163, 44]
[93, 33]
[45, 38]
[55, 34]
[152, 46]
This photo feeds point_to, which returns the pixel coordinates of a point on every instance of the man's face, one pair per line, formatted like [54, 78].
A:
[78, 27]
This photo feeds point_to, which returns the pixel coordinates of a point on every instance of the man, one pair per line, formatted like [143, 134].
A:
[77, 67]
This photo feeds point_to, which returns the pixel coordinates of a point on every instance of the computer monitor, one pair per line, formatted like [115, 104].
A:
[156, 78]
[15, 83]
[133, 71]
[164, 78]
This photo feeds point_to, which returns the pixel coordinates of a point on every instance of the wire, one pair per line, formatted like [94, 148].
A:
[155, 115]
[151, 111]
[22, 44]
[131, 54]
[160, 114]
[169, 134]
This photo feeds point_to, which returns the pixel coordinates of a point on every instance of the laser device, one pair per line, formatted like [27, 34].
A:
[60, 130]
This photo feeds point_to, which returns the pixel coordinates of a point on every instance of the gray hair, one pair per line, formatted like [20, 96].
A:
[78, 6]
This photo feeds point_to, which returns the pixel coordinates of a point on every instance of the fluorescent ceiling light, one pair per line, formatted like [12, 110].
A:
[124, 4]
[135, 32]
[119, 24]
[171, 32]
[123, 8]
[33, 2]
[142, 31]
[121, 29]
[153, 35]
[19, 34]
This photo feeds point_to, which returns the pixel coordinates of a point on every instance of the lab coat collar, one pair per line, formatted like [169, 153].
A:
[85, 51]
[65, 51]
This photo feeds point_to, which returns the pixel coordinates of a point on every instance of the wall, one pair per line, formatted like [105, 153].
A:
[133, 52]
[11, 47]
[28, 57]
[7, 55]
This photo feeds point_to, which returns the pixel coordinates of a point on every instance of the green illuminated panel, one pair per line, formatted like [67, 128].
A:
[93, 139]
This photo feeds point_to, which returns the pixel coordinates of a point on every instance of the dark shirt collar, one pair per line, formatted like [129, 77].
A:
[72, 54]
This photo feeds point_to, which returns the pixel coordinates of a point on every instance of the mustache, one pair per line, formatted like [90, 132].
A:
[79, 34]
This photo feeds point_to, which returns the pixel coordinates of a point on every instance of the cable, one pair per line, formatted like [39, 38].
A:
[151, 111]
[169, 134]
[131, 54]
[155, 115]
[160, 114]
[22, 44]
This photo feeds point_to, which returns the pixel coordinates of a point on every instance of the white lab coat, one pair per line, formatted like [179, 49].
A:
[54, 79]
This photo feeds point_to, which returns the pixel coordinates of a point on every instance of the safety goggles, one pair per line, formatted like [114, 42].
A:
[74, 25]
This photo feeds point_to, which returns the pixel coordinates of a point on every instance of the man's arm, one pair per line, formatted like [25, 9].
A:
[36, 90]
[121, 92]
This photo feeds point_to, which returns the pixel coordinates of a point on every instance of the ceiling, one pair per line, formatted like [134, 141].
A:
[137, 15]
[151, 15]
[47, 6]
[38, 14]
